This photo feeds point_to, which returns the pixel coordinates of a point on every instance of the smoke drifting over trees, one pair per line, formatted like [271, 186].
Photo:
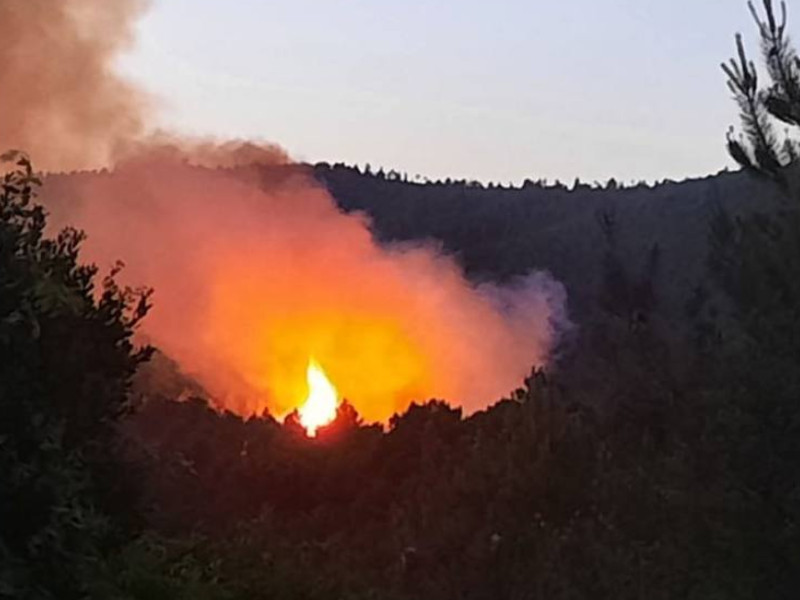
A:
[255, 271]
[253, 275]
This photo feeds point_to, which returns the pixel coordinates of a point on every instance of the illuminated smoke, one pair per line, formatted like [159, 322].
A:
[62, 102]
[255, 275]
[256, 270]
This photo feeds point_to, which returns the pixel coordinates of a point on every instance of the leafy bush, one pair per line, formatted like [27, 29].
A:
[66, 359]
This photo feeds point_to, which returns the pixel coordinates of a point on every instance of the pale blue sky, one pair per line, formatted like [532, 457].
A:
[494, 90]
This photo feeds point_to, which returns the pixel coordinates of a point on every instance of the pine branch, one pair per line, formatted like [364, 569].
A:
[759, 149]
[743, 83]
[779, 55]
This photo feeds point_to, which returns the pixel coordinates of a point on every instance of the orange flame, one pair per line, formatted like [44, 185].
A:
[320, 407]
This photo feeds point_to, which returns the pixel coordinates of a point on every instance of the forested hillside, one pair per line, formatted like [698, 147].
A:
[502, 232]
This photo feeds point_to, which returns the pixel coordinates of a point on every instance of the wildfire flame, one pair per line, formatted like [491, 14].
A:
[320, 406]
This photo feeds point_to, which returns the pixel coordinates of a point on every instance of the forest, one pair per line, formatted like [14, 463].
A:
[657, 457]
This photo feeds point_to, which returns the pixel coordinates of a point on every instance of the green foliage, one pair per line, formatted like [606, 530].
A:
[756, 264]
[66, 358]
[752, 396]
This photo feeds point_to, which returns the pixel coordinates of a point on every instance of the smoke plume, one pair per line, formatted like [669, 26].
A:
[255, 269]
[62, 101]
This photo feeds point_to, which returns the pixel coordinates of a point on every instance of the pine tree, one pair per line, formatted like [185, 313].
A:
[752, 407]
[760, 149]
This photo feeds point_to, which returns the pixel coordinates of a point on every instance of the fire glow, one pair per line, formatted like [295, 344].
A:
[253, 276]
[320, 406]
[254, 266]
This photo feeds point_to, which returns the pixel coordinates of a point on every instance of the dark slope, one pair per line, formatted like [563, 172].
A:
[498, 233]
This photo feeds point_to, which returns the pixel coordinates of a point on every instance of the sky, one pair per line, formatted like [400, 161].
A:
[495, 91]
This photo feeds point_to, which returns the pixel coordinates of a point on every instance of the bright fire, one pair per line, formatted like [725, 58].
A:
[320, 407]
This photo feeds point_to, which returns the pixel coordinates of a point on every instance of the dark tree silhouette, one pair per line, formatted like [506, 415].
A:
[761, 149]
[66, 359]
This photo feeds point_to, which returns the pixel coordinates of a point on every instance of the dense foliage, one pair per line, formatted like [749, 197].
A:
[66, 358]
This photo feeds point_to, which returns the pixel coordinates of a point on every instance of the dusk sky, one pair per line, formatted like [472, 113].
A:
[500, 90]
